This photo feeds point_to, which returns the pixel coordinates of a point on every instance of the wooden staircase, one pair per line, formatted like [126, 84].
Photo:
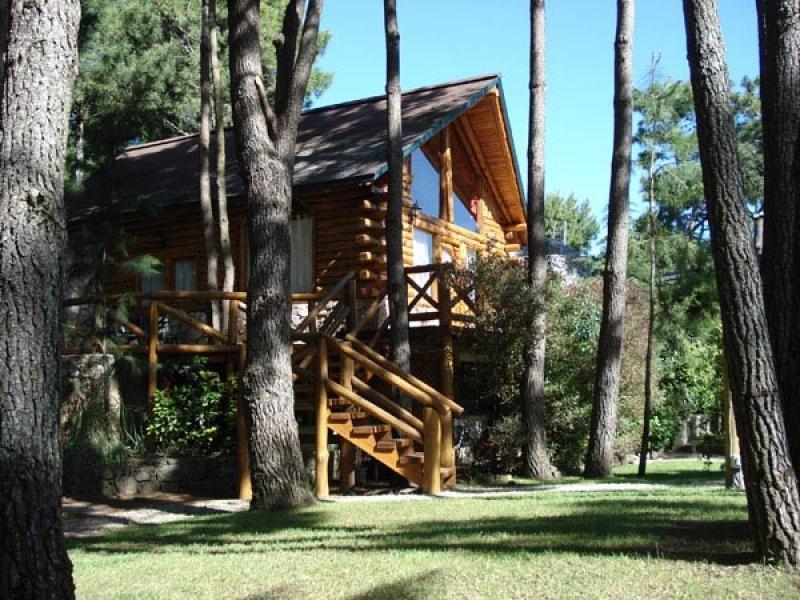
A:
[344, 377]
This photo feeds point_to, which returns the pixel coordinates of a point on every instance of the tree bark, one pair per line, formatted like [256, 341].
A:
[772, 493]
[779, 36]
[533, 398]
[228, 269]
[38, 43]
[206, 207]
[398, 291]
[266, 140]
[599, 456]
[651, 323]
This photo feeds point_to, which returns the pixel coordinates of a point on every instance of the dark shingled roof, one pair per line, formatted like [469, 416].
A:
[339, 143]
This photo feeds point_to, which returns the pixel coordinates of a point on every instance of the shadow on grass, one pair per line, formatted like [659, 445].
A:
[403, 588]
[688, 529]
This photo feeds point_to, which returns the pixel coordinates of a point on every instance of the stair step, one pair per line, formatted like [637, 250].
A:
[370, 429]
[411, 458]
[393, 444]
[334, 402]
[344, 417]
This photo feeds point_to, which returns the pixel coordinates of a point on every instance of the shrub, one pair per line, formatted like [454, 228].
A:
[195, 413]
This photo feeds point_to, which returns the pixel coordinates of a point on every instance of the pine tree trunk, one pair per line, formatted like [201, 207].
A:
[651, 323]
[780, 266]
[206, 207]
[772, 493]
[599, 456]
[533, 399]
[38, 50]
[398, 291]
[228, 269]
[265, 143]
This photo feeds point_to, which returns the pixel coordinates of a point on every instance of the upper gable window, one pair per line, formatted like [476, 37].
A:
[464, 217]
[424, 183]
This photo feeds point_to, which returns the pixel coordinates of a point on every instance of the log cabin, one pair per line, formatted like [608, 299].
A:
[463, 196]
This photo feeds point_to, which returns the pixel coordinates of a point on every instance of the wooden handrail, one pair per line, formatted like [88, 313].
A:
[371, 311]
[380, 360]
[332, 293]
[186, 319]
[372, 409]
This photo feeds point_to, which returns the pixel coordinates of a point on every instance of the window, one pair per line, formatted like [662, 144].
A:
[185, 275]
[153, 282]
[424, 183]
[301, 274]
[463, 216]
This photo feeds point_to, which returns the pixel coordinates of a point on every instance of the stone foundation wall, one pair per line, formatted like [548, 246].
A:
[200, 476]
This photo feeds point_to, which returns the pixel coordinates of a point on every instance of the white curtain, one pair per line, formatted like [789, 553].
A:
[302, 267]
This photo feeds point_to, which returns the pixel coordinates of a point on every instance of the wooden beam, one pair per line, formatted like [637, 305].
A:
[152, 357]
[474, 145]
[445, 176]
[321, 421]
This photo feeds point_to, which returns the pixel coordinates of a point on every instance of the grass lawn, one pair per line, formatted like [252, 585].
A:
[686, 541]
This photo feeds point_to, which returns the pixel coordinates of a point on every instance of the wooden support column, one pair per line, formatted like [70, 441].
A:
[152, 357]
[242, 441]
[321, 421]
[347, 465]
[352, 300]
[431, 477]
[446, 333]
[445, 177]
[236, 367]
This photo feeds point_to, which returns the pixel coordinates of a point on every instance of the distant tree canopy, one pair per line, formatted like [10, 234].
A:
[140, 73]
[582, 227]
[667, 138]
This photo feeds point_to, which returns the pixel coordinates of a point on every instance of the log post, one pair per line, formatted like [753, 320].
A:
[152, 357]
[445, 177]
[352, 300]
[321, 421]
[431, 479]
[446, 333]
[242, 443]
[347, 465]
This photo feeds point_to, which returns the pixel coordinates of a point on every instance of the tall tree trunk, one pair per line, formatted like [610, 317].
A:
[651, 321]
[206, 207]
[779, 34]
[599, 456]
[398, 291]
[266, 140]
[228, 269]
[772, 492]
[38, 54]
[533, 400]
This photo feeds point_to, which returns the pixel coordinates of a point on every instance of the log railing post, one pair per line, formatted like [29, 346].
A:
[446, 333]
[152, 357]
[448, 458]
[321, 423]
[431, 479]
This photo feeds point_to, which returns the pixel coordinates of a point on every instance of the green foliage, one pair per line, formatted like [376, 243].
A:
[582, 227]
[505, 319]
[573, 325]
[195, 413]
[140, 72]
[92, 434]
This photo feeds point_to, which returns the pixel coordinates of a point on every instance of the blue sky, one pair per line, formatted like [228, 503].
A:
[443, 40]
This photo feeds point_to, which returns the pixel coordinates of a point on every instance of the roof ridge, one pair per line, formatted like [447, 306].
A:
[379, 97]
